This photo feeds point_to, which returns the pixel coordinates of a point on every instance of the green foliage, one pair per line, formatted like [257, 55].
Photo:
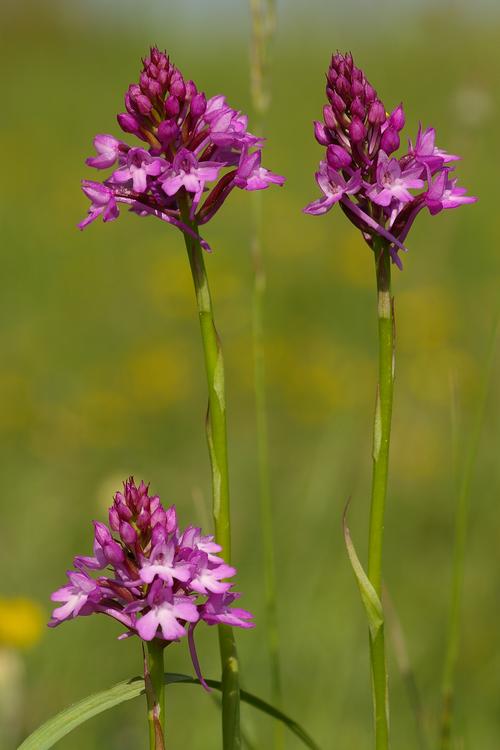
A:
[55, 729]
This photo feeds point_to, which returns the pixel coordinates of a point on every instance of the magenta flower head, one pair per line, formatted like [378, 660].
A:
[156, 580]
[191, 148]
[380, 193]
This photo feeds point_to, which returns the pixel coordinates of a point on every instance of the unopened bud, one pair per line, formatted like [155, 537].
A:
[389, 141]
[172, 106]
[357, 130]
[320, 133]
[376, 115]
[358, 109]
[337, 157]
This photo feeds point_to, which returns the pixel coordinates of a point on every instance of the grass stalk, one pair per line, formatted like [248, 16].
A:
[459, 552]
[263, 13]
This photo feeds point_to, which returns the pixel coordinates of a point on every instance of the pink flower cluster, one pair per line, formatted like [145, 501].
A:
[360, 173]
[158, 579]
[193, 148]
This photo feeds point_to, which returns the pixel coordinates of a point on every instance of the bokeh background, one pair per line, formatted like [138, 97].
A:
[101, 373]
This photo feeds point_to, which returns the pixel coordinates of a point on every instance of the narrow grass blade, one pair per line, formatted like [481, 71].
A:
[460, 544]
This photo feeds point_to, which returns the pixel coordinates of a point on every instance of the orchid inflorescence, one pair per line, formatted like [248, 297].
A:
[189, 143]
[159, 579]
[360, 172]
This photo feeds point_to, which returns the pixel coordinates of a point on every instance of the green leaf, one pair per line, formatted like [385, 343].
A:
[369, 596]
[64, 722]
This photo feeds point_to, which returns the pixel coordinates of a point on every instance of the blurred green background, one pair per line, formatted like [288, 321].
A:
[101, 372]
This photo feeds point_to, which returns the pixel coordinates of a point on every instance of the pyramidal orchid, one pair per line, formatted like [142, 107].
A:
[149, 572]
[189, 146]
[381, 193]
[157, 581]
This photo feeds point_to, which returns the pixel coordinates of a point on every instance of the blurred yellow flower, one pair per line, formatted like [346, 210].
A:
[21, 622]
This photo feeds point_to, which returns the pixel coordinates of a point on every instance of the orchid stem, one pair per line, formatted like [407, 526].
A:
[381, 441]
[155, 693]
[461, 527]
[217, 449]
[263, 14]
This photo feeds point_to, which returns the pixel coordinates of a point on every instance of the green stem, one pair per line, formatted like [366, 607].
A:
[263, 14]
[381, 440]
[461, 526]
[217, 448]
[155, 693]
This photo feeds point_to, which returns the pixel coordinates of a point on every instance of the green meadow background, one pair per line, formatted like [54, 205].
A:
[101, 373]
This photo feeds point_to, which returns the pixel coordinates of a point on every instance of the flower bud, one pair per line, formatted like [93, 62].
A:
[154, 89]
[329, 117]
[389, 141]
[162, 77]
[172, 106]
[332, 76]
[154, 503]
[337, 60]
[128, 123]
[113, 553]
[178, 87]
[158, 535]
[358, 109]
[198, 105]
[191, 89]
[167, 132]
[158, 517]
[124, 512]
[102, 533]
[370, 93]
[143, 104]
[171, 519]
[337, 157]
[143, 520]
[114, 518]
[338, 103]
[357, 88]
[376, 115]
[320, 133]
[397, 118]
[342, 86]
[128, 533]
[357, 130]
